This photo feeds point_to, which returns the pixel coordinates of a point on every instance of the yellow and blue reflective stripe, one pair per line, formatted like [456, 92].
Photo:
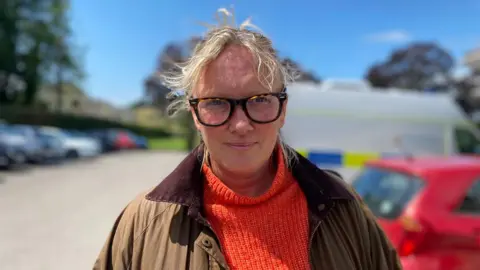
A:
[325, 158]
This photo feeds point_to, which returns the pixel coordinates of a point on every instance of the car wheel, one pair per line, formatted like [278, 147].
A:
[5, 162]
[72, 154]
[20, 158]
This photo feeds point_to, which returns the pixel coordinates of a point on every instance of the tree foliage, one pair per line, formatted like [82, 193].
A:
[416, 66]
[35, 40]
[466, 93]
[301, 74]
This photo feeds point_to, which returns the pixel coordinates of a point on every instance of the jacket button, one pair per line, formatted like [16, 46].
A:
[321, 207]
[207, 243]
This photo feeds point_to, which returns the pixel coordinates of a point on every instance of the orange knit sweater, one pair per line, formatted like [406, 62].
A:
[265, 232]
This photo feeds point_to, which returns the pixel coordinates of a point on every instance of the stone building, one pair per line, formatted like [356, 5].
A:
[75, 101]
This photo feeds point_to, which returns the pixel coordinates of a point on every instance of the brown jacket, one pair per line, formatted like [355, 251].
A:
[166, 230]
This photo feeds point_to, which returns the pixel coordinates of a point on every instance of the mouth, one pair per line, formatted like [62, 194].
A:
[241, 146]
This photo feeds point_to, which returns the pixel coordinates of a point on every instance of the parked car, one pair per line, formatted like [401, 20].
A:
[113, 139]
[13, 147]
[33, 144]
[124, 140]
[429, 207]
[52, 146]
[140, 142]
[75, 146]
[102, 136]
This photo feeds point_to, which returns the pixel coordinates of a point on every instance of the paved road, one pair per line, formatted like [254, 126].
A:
[58, 217]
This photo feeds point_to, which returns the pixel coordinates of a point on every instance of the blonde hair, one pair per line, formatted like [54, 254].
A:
[270, 69]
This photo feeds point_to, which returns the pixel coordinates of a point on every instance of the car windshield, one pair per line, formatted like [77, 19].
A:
[4, 129]
[74, 134]
[54, 132]
[386, 192]
[46, 136]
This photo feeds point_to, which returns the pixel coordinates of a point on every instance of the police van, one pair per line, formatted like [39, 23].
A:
[346, 128]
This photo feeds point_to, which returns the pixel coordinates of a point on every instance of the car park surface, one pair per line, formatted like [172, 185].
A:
[58, 216]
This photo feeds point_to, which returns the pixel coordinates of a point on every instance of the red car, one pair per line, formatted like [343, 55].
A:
[124, 140]
[429, 207]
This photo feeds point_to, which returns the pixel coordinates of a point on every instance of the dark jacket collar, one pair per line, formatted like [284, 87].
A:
[185, 184]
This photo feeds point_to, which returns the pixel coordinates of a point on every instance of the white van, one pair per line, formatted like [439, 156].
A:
[346, 128]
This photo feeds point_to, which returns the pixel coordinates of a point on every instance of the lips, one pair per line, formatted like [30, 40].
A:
[241, 145]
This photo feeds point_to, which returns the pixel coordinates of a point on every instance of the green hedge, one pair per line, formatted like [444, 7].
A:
[41, 117]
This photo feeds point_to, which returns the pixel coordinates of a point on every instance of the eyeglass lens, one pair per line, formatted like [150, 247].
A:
[260, 109]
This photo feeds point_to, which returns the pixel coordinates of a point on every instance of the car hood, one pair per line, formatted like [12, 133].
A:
[13, 139]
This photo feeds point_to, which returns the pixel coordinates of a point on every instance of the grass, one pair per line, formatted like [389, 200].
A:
[172, 143]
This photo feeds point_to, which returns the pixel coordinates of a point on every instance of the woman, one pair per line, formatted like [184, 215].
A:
[243, 199]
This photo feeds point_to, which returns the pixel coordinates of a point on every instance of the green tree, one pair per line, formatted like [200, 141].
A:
[9, 32]
[36, 40]
[302, 75]
[416, 66]
[466, 98]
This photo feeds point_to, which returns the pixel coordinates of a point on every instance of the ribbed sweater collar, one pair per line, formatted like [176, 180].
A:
[216, 190]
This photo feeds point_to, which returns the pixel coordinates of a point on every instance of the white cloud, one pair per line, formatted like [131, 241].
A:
[393, 36]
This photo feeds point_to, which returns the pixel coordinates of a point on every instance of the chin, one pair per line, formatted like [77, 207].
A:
[241, 164]
[239, 160]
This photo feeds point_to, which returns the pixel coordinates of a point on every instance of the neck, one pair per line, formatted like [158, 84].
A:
[251, 184]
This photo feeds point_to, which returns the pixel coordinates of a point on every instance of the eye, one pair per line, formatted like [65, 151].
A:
[215, 102]
[261, 99]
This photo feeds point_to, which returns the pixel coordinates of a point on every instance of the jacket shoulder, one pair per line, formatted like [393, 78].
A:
[132, 223]
[141, 213]
[340, 182]
[362, 228]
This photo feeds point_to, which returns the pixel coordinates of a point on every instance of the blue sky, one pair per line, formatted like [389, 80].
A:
[121, 40]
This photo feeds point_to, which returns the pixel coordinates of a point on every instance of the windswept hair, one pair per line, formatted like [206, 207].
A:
[269, 67]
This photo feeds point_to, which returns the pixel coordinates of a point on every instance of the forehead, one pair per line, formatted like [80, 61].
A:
[232, 74]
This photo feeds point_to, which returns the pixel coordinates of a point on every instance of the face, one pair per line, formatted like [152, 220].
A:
[240, 144]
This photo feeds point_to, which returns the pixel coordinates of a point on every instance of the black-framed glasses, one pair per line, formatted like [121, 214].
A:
[261, 108]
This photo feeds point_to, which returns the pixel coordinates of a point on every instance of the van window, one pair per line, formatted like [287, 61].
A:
[467, 142]
[386, 192]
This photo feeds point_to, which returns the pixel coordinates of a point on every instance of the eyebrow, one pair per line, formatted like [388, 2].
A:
[266, 92]
[236, 98]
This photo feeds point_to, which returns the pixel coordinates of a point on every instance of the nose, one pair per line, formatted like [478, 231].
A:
[239, 123]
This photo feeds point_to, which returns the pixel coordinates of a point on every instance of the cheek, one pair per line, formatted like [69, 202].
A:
[267, 132]
[213, 134]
